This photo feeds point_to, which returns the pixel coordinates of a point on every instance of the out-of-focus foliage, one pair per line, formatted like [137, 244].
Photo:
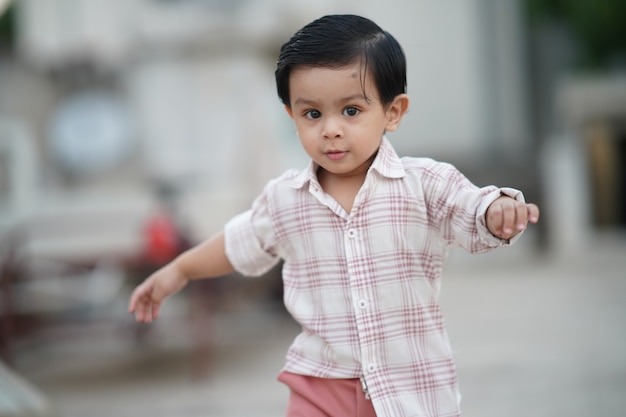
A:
[599, 26]
[7, 25]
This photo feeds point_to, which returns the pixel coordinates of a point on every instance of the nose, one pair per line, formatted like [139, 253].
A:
[332, 128]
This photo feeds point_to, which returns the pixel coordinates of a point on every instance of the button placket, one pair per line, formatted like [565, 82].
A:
[362, 304]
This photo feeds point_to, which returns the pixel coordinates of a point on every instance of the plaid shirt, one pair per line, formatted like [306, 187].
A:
[365, 285]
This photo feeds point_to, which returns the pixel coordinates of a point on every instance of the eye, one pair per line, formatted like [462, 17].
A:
[351, 111]
[312, 114]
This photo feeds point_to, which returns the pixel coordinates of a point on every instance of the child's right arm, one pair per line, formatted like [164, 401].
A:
[207, 260]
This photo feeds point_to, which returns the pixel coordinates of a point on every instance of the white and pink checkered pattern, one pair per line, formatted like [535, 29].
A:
[365, 285]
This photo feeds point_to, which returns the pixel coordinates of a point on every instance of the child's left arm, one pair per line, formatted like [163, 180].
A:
[507, 217]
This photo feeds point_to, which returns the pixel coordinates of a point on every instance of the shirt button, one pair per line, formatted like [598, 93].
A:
[363, 304]
[351, 233]
[371, 368]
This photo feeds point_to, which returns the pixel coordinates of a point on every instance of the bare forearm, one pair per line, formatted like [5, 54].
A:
[206, 260]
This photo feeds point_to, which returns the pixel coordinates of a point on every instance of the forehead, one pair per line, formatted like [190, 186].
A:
[312, 82]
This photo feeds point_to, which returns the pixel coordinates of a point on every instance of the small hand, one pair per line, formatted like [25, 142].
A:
[506, 216]
[145, 302]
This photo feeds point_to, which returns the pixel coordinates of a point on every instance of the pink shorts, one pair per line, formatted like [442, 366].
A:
[323, 397]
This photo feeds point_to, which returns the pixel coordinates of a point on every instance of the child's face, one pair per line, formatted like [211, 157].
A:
[338, 127]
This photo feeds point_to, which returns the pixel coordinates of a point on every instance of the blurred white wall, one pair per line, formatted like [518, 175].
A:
[465, 65]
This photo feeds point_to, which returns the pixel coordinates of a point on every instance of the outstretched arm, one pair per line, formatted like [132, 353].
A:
[507, 217]
[207, 260]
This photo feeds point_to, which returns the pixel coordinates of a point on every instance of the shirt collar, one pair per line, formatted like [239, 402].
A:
[387, 163]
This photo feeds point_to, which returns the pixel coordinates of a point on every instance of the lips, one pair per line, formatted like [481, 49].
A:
[336, 155]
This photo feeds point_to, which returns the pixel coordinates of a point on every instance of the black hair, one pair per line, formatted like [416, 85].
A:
[337, 41]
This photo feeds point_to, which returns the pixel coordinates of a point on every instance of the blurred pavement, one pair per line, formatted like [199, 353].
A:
[533, 335]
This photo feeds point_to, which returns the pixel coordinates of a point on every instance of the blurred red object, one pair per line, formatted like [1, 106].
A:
[163, 239]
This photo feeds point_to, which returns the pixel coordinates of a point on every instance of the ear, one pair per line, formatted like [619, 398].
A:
[289, 111]
[395, 111]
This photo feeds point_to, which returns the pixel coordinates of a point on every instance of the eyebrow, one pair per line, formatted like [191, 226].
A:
[308, 102]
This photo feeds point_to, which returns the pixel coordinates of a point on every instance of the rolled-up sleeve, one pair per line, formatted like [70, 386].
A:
[246, 236]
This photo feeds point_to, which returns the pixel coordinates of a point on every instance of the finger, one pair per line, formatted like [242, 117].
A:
[132, 304]
[141, 302]
[533, 213]
[143, 314]
[141, 293]
[134, 298]
[508, 217]
[139, 314]
[155, 310]
[140, 311]
[495, 219]
[521, 216]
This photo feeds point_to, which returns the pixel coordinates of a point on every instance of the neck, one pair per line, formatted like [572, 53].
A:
[343, 188]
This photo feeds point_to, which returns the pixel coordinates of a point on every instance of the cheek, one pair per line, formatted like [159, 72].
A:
[303, 132]
[300, 129]
[307, 142]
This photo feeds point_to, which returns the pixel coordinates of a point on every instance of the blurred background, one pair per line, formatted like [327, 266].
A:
[131, 129]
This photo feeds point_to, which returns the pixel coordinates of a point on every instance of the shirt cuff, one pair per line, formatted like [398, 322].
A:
[483, 231]
[243, 248]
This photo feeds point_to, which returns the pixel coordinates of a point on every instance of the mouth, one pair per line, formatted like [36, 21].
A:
[335, 155]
